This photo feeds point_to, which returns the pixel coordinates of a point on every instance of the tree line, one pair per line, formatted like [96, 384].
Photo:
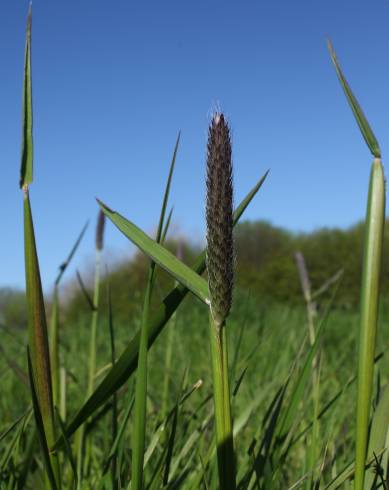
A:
[265, 268]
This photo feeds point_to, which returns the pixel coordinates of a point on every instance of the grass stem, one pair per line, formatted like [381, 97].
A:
[374, 230]
[223, 420]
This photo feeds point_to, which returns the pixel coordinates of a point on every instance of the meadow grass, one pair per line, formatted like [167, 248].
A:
[270, 332]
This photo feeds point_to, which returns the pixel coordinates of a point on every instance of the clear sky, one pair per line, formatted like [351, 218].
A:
[114, 82]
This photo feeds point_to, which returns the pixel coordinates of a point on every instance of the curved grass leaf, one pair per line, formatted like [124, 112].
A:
[37, 334]
[127, 362]
[160, 255]
[65, 264]
[363, 124]
[37, 329]
[15, 424]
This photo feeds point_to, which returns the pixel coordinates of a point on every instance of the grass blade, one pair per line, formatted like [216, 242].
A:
[85, 292]
[64, 265]
[363, 124]
[114, 396]
[37, 330]
[51, 471]
[15, 424]
[373, 243]
[165, 259]
[374, 227]
[138, 446]
[26, 168]
[54, 322]
[161, 231]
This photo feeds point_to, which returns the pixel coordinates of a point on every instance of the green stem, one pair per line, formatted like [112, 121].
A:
[138, 442]
[168, 362]
[54, 347]
[223, 421]
[374, 229]
[92, 351]
[81, 462]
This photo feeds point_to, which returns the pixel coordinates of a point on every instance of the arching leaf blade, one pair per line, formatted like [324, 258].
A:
[360, 117]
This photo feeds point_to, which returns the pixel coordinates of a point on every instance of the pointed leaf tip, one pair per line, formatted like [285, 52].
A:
[26, 167]
[104, 206]
[363, 123]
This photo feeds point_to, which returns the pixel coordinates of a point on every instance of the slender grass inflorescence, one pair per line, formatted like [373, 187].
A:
[219, 208]
[96, 296]
[100, 231]
[372, 255]
[220, 266]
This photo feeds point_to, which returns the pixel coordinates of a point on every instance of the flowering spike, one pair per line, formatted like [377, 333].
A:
[219, 214]
[100, 230]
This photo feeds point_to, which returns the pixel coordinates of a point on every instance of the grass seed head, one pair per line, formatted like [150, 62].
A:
[219, 209]
[100, 230]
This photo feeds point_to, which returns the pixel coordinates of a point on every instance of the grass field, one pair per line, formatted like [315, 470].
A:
[273, 339]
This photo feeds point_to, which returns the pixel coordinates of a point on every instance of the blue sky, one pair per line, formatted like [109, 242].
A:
[114, 82]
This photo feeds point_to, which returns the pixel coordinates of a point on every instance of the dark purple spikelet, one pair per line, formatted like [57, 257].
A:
[219, 209]
[100, 230]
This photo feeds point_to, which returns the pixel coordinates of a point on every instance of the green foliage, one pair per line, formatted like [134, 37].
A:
[13, 309]
[272, 274]
[265, 267]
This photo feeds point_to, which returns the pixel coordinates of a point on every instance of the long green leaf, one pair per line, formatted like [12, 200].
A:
[363, 124]
[65, 264]
[127, 362]
[371, 271]
[139, 436]
[26, 167]
[51, 472]
[14, 424]
[160, 255]
[160, 231]
[37, 329]
[37, 334]
[8, 450]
